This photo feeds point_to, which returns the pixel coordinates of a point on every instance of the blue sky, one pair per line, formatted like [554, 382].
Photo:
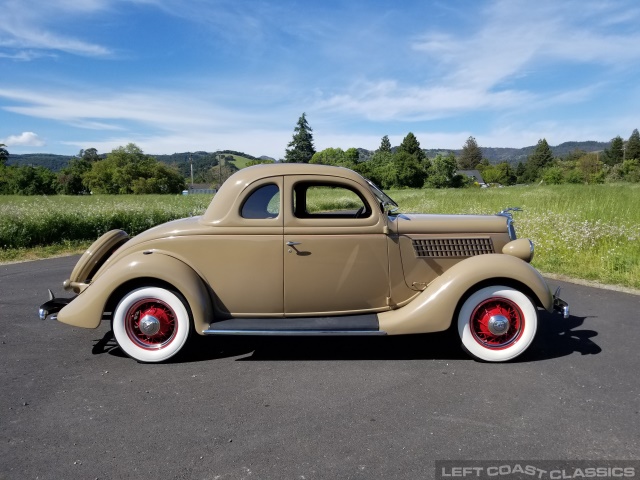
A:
[187, 75]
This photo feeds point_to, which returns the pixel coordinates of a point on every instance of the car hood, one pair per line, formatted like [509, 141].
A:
[406, 224]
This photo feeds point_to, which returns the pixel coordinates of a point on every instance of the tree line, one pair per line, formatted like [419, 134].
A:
[408, 166]
[619, 162]
[125, 170]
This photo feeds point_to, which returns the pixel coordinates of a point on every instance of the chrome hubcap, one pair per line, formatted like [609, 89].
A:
[498, 324]
[149, 325]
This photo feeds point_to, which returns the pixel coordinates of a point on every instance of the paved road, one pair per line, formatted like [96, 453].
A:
[72, 406]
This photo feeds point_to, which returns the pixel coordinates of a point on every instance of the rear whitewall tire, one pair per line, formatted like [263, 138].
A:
[482, 316]
[164, 331]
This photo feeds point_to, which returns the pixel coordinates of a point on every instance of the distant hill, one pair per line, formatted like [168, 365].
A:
[47, 160]
[203, 161]
[515, 155]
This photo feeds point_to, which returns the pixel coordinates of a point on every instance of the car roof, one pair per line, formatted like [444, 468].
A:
[271, 169]
[236, 183]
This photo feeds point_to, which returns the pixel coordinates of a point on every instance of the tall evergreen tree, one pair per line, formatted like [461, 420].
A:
[411, 145]
[385, 145]
[541, 158]
[615, 153]
[301, 146]
[633, 146]
[471, 155]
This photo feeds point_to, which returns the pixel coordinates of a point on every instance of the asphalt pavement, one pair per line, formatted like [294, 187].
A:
[73, 406]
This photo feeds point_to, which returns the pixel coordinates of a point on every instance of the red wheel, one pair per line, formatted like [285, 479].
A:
[497, 323]
[151, 324]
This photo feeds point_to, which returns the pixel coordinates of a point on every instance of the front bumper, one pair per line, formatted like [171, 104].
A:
[53, 306]
[560, 305]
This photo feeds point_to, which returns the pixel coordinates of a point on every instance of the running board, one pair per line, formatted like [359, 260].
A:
[306, 326]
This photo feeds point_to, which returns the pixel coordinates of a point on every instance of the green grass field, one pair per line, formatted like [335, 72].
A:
[590, 232]
[36, 227]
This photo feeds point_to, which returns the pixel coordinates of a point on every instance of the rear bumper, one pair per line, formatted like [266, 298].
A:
[559, 305]
[53, 306]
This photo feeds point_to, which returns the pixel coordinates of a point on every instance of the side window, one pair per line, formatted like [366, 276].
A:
[311, 200]
[263, 202]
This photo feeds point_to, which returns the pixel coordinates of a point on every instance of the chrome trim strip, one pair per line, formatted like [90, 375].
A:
[296, 333]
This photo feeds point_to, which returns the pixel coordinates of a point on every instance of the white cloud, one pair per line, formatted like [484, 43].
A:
[23, 55]
[25, 139]
[389, 101]
[29, 25]
[167, 110]
[482, 70]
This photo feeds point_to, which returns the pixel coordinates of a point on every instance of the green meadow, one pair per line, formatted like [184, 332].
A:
[584, 231]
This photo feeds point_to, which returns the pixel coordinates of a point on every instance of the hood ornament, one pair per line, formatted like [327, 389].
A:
[508, 214]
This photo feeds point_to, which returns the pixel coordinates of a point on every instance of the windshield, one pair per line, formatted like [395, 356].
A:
[385, 199]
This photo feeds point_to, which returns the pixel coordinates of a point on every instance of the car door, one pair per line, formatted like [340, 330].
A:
[335, 248]
[245, 265]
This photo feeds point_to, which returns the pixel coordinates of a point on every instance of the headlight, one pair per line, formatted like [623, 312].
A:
[522, 248]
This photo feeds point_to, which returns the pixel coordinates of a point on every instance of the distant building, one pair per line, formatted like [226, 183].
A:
[474, 174]
[199, 188]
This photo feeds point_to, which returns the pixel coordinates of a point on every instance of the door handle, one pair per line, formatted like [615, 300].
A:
[293, 244]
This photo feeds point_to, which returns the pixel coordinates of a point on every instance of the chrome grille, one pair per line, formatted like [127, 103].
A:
[452, 247]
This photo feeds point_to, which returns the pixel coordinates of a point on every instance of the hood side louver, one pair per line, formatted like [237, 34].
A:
[452, 247]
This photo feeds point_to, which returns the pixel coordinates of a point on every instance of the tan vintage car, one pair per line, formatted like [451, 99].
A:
[294, 249]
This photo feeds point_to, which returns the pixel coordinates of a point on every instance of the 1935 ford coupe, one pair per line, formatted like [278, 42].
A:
[295, 249]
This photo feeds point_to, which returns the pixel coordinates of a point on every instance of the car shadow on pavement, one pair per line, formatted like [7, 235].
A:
[107, 344]
[197, 348]
[556, 337]
[442, 345]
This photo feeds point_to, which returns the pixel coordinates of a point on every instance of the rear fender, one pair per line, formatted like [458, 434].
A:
[86, 310]
[434, 308]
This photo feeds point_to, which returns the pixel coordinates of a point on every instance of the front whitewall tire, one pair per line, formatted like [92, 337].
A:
[497, 323]
[151, 324]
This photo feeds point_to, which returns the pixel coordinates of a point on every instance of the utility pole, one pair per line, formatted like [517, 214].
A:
[191, 164]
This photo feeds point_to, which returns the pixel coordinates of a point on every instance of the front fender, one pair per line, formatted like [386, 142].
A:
[433, 309]
[87, 308]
